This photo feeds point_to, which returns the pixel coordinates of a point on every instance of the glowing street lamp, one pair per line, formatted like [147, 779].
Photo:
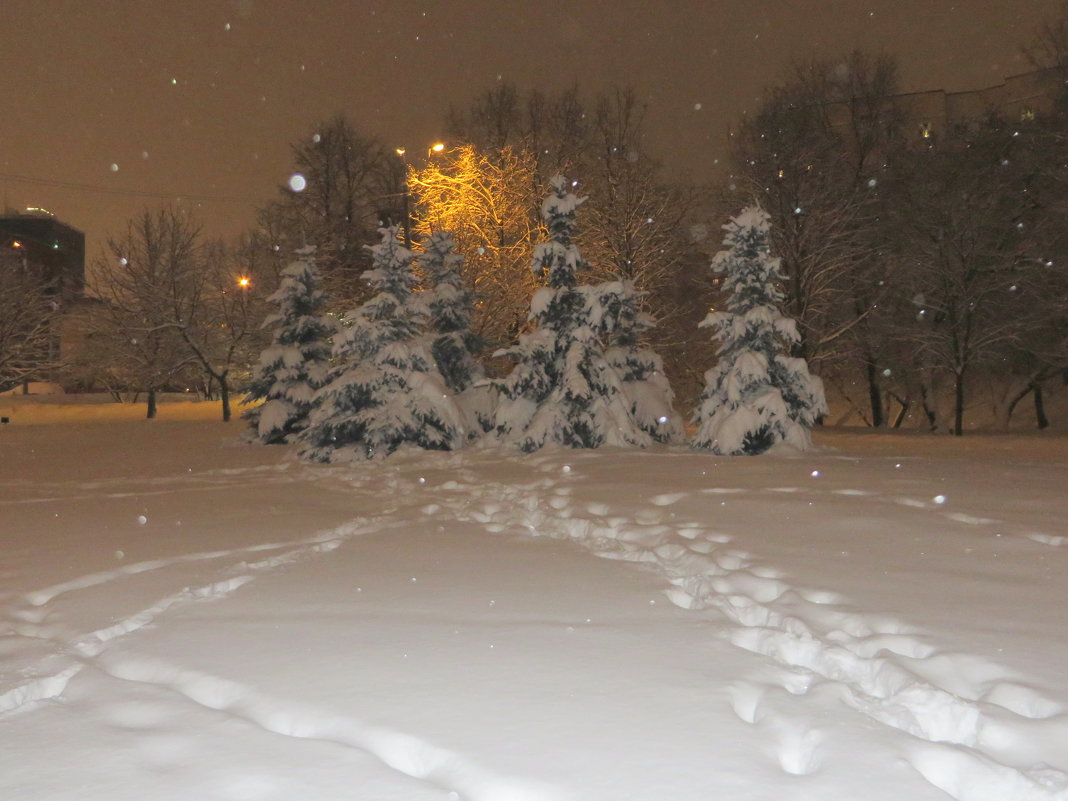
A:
[244, 281]
[437, 147]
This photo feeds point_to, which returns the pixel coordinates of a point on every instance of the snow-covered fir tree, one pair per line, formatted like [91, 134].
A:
[448, 305]
[757, 395]
[639, 367]
[385, 390]
[563, 390]
[297, 362]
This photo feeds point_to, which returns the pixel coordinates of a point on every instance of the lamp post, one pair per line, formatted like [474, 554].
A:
[434, 149]
[407, 203]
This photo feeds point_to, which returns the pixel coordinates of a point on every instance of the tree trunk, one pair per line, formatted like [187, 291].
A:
[875, 395]
[1040, 408]
[1005, 416]
[903, 412]
[224, 393]
[958, 404]
[928, 410]
[151, 413]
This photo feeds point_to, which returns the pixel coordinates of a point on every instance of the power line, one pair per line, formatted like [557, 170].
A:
[110, 190]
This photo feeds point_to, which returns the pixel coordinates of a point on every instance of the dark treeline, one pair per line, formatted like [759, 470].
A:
[922, 256]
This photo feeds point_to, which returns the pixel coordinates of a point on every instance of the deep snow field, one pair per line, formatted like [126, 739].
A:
[186, 617]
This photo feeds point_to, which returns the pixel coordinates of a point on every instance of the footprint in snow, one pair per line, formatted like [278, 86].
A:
[969, 519]
[701, 546]
[1022, 700]
[878, 644]
[731, 561]
[1047, 539]
[667, 498]
[799, 749]
[746, 701]
[820, 597]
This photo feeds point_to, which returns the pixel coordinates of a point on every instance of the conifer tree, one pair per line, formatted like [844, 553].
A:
[640, 369]
[297, 362]
[563, 390]
[385, 390]
[757, 395]
[448, 305]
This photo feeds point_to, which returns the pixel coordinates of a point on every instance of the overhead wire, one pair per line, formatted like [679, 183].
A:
[111, 190]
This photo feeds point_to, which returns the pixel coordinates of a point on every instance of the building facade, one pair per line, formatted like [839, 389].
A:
[50, 250]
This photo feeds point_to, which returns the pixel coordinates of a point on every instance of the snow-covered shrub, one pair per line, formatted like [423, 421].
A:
[756, 395]
[296, 363]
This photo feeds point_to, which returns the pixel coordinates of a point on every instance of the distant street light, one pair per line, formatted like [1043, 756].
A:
[437, 147]
[244, 281]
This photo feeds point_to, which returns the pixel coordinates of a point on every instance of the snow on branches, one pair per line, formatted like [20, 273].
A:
[386, 389]
[564, 388]
[757, 395]
[296, 363]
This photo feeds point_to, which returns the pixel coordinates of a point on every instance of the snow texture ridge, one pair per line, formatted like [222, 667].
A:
[69, 651]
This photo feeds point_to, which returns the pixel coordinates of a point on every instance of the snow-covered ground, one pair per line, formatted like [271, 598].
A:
[187, 617]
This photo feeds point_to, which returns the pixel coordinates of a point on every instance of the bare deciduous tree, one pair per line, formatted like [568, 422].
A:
[29, 313]
[973, 282]
[137, 277]
[635, 222]
[814, 156]
[352, 184]
[486, 204]
[217, 314]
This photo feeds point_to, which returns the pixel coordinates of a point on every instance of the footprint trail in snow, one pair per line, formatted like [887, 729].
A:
[966, 736]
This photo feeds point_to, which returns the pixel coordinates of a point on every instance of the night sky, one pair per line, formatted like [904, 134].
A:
[202, 98]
